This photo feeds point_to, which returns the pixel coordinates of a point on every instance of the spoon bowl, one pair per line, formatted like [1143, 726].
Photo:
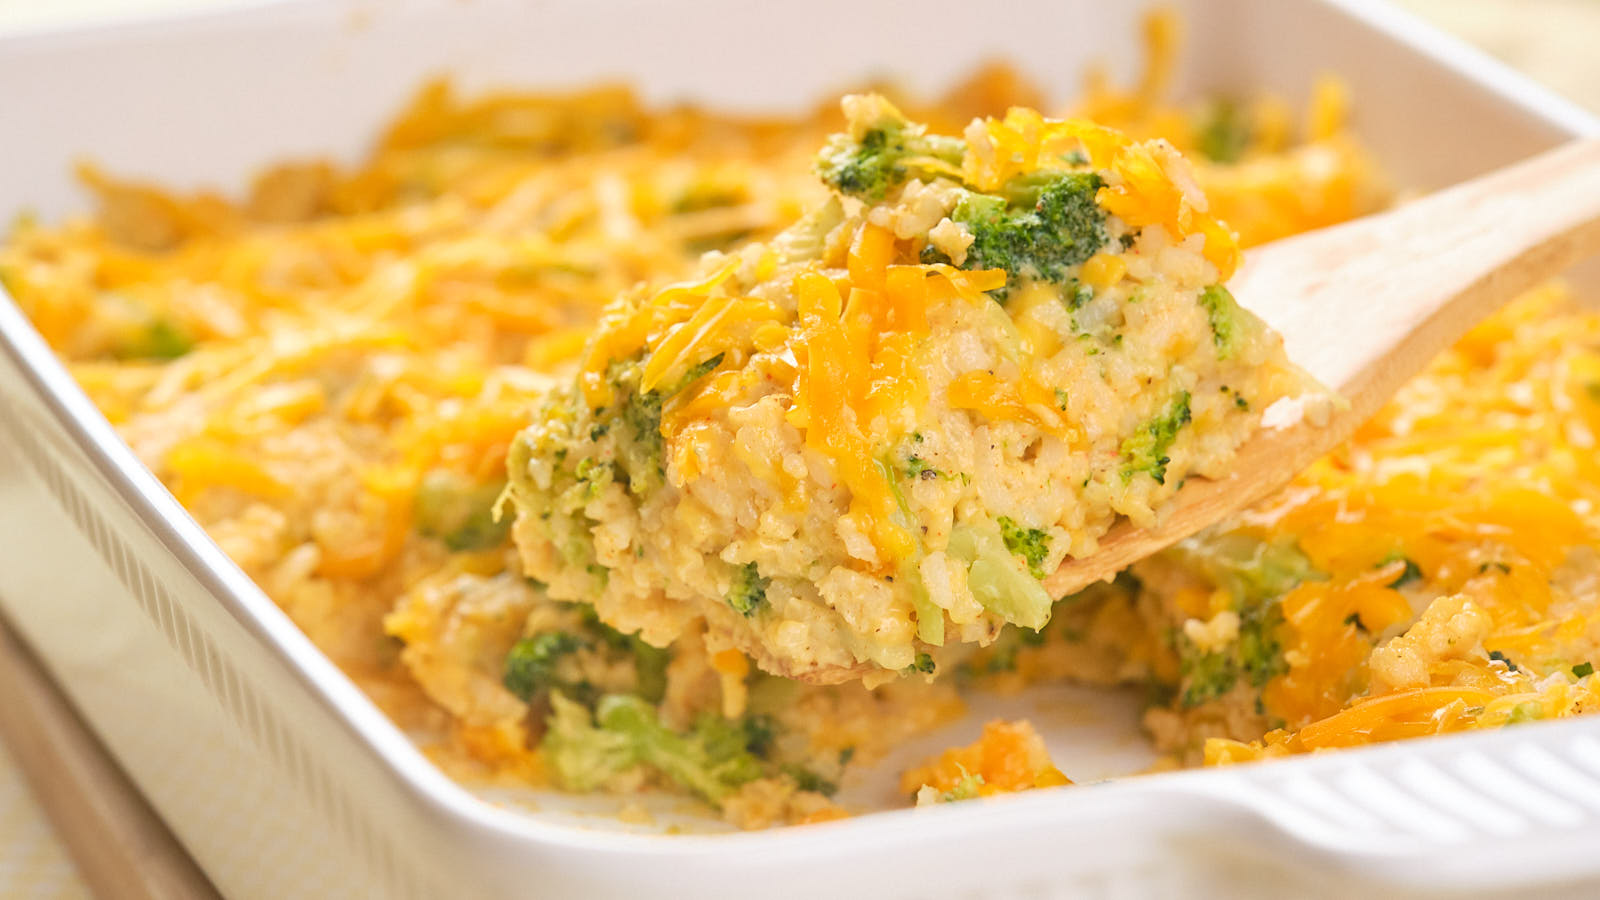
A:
[1365, 305]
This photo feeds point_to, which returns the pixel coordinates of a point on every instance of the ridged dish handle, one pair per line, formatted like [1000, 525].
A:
[1470, 806]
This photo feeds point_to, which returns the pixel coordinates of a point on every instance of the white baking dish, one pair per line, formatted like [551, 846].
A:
[284, 781]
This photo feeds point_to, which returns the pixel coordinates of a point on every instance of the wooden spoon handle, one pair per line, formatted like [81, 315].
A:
[1365, 305]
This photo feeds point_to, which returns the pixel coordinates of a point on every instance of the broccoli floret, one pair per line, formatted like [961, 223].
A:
[1256, 574]
[583, 756]
[530, 667]
[1260, 652]
[996, 580]
[865, 168]
[593, 475]
[639, 451]
[1257, 657]
[1224, 135]
[1145, 451]
[749, 590]
[1204, 676]
[1583, 670]
[923, 664]
[557, 502]
[724, 738]
[1225, 315]
[1075, 294]
[1056, 227]
[711, 761]
[452, 508]
[586, 751]
[1032, 544]
[869, 168]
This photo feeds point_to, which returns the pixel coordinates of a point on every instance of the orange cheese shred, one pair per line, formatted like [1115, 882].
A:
[1404, 714]
[1021, 400]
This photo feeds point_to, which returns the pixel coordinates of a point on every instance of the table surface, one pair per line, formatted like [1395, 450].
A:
[1551, 40]
[32, 862]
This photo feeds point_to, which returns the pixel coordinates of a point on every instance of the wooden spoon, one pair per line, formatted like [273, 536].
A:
[1365, 305]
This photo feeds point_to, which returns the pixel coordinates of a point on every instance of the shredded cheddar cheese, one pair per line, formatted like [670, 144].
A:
[332, 368]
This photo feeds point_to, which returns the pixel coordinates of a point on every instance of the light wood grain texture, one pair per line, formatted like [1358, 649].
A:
[1365, 305]
[121, 849]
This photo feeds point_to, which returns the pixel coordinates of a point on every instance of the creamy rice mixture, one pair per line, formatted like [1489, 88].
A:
[871, 438]
[331, 370]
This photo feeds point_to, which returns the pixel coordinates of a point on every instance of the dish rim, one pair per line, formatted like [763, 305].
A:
[420, 780]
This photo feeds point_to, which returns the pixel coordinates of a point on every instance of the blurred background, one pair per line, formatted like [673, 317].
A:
[1551, 40]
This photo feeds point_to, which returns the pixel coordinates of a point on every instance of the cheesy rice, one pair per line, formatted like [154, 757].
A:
[331, 371]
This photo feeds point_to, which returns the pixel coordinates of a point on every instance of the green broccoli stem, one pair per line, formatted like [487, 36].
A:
[585, 752]
[996, 579]
[930, 616]
[869, 168]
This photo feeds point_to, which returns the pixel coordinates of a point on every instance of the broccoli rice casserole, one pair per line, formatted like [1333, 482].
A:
[629, 450]
[871, 437]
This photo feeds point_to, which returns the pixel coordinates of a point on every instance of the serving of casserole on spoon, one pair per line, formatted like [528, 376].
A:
[992, 370]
